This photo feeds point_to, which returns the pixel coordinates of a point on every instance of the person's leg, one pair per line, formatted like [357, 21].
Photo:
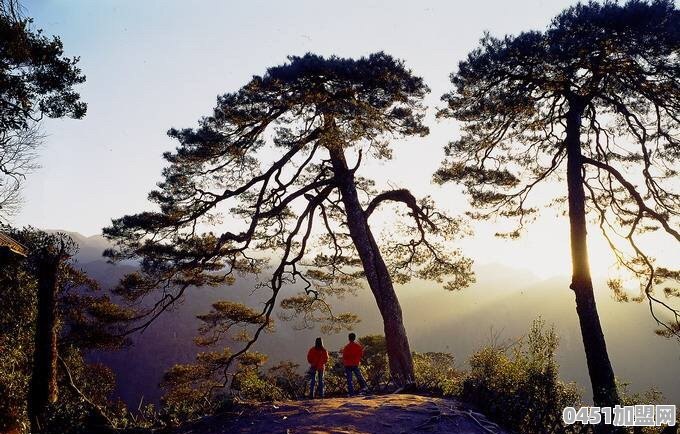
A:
[350, 380]
[312, 381]
[321, 385]
[362, 382]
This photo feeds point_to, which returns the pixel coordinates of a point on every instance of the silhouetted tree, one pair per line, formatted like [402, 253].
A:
[36, 80]
[45, 293]
[43, 389]
[275, 153]
[599, 92]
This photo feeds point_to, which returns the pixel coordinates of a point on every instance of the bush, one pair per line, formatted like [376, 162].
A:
[436, 373]
[519, 387]
[287, 379]
[197, 389]
[252, 385]
[516, 386]
[374, 365]
[334, 377]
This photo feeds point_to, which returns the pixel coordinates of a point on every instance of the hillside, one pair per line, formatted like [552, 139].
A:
[500, 306]
[386, 414]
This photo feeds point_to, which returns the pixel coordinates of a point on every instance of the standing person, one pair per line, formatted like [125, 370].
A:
[351, 358]
[317, 356]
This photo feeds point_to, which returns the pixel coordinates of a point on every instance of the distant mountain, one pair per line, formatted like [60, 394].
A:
[90, 248]
[501, 304]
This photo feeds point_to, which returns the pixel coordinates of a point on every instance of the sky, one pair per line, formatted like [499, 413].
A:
[152, 65]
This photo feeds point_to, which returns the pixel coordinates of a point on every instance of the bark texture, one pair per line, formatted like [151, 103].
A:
[43, 388]
[377, 274]
[599, 366]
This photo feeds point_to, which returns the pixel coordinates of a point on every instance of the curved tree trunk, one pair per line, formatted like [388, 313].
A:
[379, 280]
[43, 385]
[599, 366]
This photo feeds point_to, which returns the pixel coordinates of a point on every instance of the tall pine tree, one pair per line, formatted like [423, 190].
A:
[282, 155]
[597, 94]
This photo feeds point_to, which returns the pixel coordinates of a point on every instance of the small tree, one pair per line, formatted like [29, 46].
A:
[283, 152]
[599, 93]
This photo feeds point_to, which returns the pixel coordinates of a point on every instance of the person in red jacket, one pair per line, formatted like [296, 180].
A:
[317, 356]
[351, 358]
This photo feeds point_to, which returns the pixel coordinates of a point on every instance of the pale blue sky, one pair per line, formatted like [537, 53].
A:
[152, 65]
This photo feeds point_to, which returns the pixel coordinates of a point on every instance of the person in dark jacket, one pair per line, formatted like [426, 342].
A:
[351, 358]
[317, 356]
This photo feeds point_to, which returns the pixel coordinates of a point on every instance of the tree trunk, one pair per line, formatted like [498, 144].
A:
[599, 366]
[379, 280]
[43, 386]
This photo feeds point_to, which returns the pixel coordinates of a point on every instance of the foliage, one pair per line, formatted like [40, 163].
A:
[86, 320]
[374, 364]
[72, 414]
[36, 80]
[286, 377]
[608, 71]
[226, 315]
[17, 315]
[436, 373]
[648, 397]
[516, 385]
[519, 387]
[190, 388]
[251, 384]
[89, 319]
[273, 154]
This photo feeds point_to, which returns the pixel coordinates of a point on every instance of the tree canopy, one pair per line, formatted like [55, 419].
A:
[36, 80]
[272, 155]
[615, 70]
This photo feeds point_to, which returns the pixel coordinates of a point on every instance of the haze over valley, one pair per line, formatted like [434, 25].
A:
[498, 308]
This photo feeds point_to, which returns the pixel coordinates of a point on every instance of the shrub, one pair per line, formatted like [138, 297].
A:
[519, 387]
[436, 373]
[17, 316]
[250, 384]
[196, 389]
[249, 381]
[374, 365]
[287, 379]
[334, 377]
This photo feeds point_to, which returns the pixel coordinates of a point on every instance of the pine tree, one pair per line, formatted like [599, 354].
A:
[282, 154]
[598, 92]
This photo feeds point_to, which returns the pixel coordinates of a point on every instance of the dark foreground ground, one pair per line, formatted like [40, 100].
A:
[371, 414]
